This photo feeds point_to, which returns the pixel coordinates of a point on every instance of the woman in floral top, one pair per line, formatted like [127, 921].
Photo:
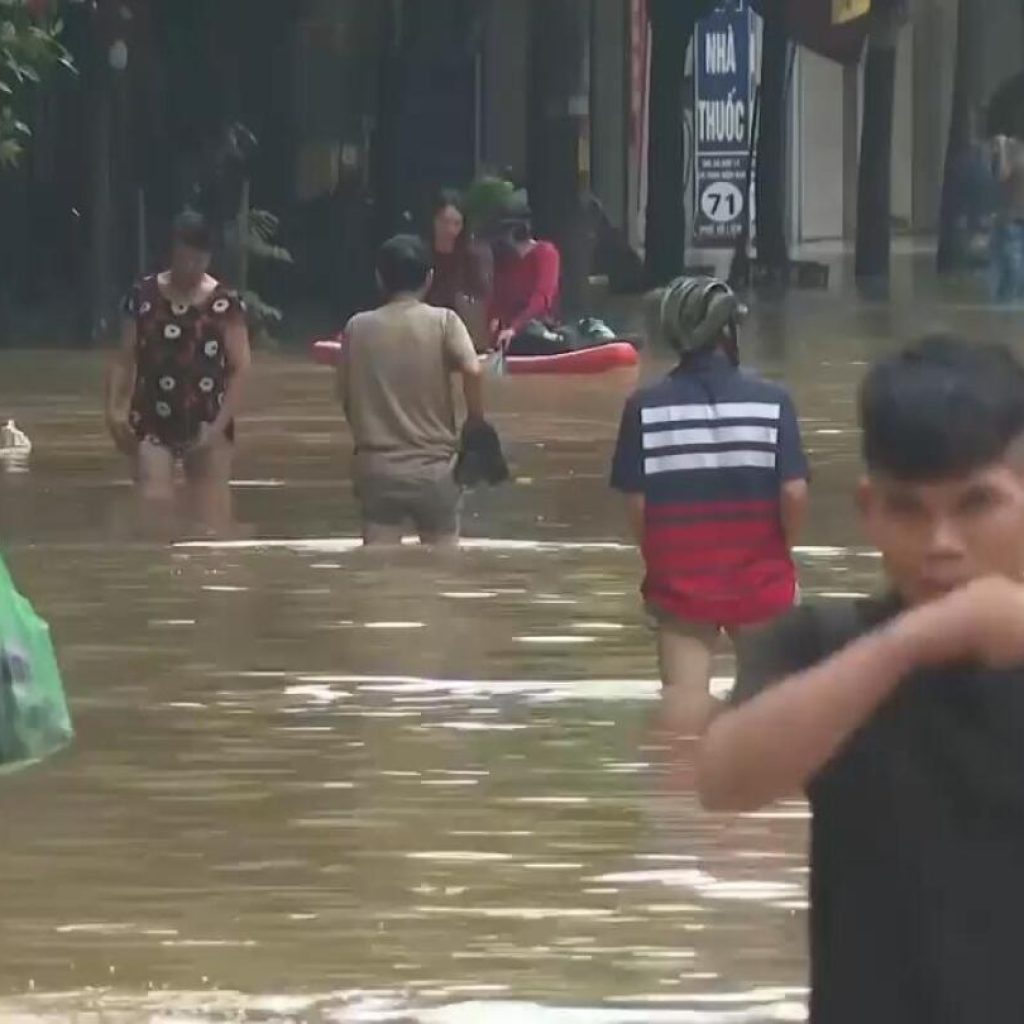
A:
[174, 390]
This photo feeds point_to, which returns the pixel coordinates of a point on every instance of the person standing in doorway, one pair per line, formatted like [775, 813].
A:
[1008, 234]
[463, 268]
[394, 380]
[715, 478]
[175, 388]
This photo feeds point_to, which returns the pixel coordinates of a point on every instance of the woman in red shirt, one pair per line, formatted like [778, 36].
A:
[526, 274]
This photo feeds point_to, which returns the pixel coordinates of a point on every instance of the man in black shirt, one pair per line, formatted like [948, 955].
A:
[902, 718]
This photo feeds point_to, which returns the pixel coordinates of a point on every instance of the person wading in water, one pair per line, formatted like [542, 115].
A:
[900, 716]
[175, 388]
[1008, 233]
[394, 380]
[715, 479]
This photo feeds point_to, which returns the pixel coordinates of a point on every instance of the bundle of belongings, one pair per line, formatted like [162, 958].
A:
[480, 460]
[34, 718]
[539, 339]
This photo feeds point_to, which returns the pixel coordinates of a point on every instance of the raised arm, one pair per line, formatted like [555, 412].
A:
[776, 743]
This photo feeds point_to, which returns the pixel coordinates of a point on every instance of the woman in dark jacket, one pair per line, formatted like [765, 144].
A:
[463, 267]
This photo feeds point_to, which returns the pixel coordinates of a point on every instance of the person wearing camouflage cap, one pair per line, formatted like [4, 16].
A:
[696, 313]
[527, 273]
[710, 461]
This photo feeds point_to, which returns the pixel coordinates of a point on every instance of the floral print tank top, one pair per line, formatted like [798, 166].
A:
[181, 362]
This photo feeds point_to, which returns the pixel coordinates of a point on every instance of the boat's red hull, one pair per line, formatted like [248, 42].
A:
[598, 359]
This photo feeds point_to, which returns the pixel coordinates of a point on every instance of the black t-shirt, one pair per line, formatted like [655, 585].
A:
[917, 840]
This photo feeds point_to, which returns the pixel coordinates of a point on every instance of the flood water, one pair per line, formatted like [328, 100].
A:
[313, 783]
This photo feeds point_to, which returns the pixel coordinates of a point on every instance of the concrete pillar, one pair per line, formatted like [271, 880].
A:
[609, 119]
[851, 148]
[934, 38]
[559, 134]
[904, 135]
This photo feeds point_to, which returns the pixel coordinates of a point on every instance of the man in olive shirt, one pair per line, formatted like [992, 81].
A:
[902, 718]
[395, 384]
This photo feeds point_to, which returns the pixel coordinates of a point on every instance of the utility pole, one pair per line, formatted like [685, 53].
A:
[770, 183]
[672, 27]
[950, 252]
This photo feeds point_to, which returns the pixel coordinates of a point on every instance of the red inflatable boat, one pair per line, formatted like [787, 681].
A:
[611, 355]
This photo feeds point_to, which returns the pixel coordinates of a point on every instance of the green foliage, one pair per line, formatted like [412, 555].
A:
[260, 244]
[30, 49]
[263, 228]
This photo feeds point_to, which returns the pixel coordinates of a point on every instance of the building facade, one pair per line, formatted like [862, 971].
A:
[826, 110]
[363, 108]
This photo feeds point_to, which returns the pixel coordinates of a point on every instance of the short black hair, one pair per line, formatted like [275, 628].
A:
[403, 263]
[191, 228]
[941, 408]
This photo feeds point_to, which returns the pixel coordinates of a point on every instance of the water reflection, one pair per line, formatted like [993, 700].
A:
[315, 783]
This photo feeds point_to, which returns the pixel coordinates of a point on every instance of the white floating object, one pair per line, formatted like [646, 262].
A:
[14, 441]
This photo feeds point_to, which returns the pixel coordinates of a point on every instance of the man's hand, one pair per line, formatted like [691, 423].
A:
[121, 432]
[504, 338]
[982, 621]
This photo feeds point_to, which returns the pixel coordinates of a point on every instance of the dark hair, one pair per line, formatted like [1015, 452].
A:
[941, 408]
[442, 200]
[191, 228]
[403, 263]
[445, 198]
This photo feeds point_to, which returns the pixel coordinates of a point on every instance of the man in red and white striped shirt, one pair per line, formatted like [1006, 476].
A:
[713, 469]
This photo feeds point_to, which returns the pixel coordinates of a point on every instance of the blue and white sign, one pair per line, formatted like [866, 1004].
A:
[723, 87]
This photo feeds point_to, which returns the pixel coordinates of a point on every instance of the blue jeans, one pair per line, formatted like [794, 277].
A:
[1008, 260]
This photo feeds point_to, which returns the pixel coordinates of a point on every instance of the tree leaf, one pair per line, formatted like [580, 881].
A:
[10, 152]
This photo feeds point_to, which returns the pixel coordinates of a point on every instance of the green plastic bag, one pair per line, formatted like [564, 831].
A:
[34, 717]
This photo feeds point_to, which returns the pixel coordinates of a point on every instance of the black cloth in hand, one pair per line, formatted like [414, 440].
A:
[481, 460]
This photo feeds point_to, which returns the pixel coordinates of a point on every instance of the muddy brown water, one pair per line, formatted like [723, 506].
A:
[313, 783]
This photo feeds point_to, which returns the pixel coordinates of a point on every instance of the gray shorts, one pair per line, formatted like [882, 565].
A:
[431, 503]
